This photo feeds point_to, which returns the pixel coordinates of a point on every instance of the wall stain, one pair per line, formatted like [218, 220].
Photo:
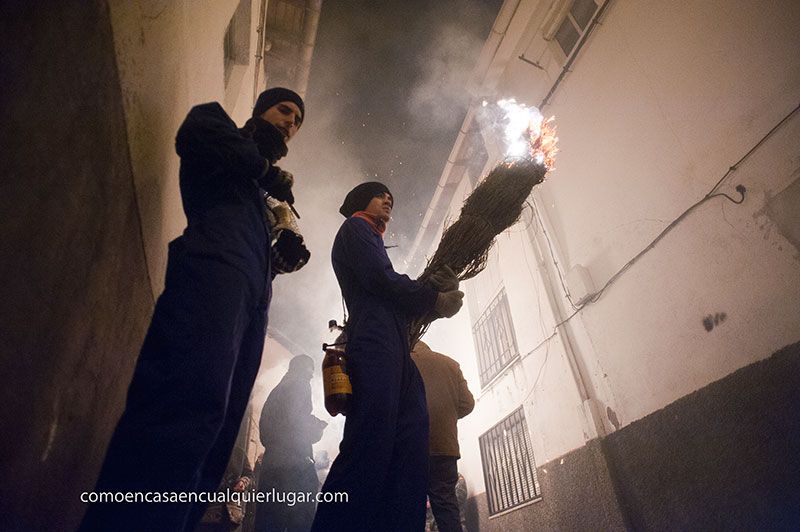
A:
[712, 320]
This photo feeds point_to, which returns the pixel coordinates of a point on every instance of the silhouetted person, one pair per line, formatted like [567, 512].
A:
[449, 399]
[287, 431]
[382, 463]
[202, 351]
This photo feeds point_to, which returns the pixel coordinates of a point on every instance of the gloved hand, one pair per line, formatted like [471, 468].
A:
[278, 184]
[289, 253]
[444, 279]
[268, 138]
[448, 303]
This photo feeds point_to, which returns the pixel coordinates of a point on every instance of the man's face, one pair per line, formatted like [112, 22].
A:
[286, 116]
[381, 207]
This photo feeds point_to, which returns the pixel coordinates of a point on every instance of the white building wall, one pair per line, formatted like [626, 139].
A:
[662, 100]
[170, 58]
[540, 381]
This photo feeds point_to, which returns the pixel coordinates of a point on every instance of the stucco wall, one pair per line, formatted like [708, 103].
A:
[93, 93]
[653, 113]
[656, 110]
[723, 457]
[76, 296]
[662, 100]
[170, 58]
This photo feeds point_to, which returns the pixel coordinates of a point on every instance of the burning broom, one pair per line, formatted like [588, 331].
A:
[496, 203]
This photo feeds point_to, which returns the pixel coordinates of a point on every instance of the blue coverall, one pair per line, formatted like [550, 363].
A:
[383, 458]
[202, 351]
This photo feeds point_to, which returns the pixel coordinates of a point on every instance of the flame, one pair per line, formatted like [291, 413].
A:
[544, 142]
[528, 134]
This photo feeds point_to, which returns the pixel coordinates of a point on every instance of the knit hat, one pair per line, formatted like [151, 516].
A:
[276, 95]
[358, 198]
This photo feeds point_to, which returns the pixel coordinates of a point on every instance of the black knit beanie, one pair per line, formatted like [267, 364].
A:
[358, 198]
[276, 95]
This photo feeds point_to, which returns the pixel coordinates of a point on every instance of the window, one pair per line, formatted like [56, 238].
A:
[236, 46]
[574, 24]
[494, 337]
[509, 469]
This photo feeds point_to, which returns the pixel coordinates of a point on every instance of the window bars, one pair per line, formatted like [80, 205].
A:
[509, 469]
[495, 341]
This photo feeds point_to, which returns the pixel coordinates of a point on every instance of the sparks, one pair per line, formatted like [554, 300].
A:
[528, 134]
[543, 143]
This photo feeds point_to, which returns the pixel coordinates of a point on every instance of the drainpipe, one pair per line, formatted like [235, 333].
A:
[577, 366]
[261, 30]
[310, 24]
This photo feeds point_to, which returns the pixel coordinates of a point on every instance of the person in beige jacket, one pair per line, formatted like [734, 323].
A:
[449, 399]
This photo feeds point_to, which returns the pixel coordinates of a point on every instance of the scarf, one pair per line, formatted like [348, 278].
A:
[377, 225]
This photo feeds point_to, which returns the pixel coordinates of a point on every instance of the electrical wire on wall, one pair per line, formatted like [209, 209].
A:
[711, 194]
[564, 287]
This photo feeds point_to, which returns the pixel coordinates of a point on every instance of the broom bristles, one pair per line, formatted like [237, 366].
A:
[493, 207]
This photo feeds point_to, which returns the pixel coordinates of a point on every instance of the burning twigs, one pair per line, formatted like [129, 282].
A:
[494, 205]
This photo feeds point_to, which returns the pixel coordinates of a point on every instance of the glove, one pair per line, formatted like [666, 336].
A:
[448, 303]
[289, 253]
[278, 184]
[268, 138]
[444, 279]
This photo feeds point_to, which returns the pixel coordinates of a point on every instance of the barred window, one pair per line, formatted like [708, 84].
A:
[509, 469]
[495, 341]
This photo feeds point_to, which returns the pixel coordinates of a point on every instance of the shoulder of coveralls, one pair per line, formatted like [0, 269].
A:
[212, 112]
[204, 117]
[212, 109]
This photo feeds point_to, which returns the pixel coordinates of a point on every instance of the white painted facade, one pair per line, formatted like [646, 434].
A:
[170, 57]
[660, 101]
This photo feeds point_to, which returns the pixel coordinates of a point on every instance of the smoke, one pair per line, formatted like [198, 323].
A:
[324, 171]
[440, 96]
[385, 102]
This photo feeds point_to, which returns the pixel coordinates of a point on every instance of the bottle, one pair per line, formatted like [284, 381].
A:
[335, 380]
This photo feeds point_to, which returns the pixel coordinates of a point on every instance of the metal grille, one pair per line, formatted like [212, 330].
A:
[509, 469]
[495, 341]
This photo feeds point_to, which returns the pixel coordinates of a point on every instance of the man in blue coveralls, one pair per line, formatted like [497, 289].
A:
[383, 458]
[202, 351]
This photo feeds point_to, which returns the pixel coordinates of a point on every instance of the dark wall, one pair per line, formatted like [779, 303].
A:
[75, 293]
[577, 494]
[724, 457]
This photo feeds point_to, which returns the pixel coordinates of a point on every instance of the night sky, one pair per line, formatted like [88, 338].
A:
[385, 100]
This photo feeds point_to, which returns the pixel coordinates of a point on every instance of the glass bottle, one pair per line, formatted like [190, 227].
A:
[335, 380]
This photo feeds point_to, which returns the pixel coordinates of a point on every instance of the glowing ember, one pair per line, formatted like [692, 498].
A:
[519, 120]
[528, 134]
[543, 143]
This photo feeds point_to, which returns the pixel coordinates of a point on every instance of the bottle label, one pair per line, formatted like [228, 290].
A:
[336, 381]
